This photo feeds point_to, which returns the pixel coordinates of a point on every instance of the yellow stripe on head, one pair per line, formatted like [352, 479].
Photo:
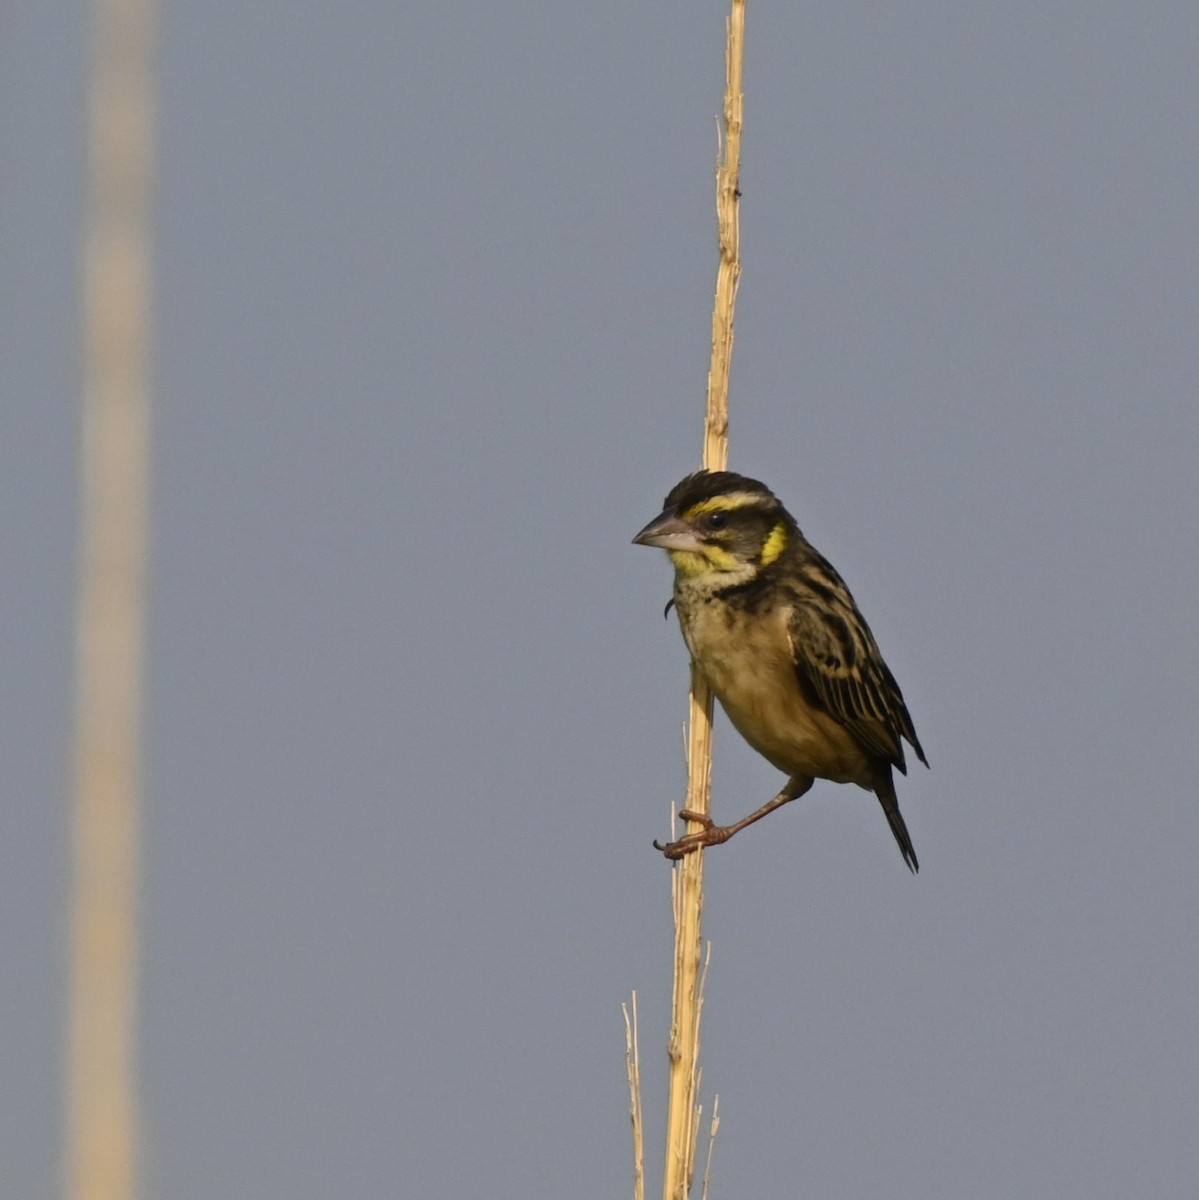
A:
[687, 563]
[776, 543]
[701, 562]
[726, 502]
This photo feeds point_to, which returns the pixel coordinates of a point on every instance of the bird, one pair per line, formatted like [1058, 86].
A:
[780, 640]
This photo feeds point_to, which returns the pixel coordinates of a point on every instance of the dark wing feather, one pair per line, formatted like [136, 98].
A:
[841, 669]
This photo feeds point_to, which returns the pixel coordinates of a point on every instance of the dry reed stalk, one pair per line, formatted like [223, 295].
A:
[102, 1113]
[633, 1063]
[713, 1129]
[682, 1120]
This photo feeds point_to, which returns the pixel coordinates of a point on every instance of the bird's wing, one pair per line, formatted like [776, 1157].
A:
[841, 669]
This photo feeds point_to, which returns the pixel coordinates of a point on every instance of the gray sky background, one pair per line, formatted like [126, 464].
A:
[433, 301]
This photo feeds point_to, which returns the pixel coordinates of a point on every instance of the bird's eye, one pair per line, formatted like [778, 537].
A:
[717, 520]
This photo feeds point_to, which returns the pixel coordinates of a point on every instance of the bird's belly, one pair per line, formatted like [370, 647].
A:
[758, 688]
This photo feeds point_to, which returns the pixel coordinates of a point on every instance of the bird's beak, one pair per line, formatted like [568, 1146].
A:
[669, 532]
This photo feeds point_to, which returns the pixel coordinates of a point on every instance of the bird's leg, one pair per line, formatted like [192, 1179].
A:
[714, 835]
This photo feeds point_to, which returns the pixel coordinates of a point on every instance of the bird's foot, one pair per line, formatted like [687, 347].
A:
[710, 835]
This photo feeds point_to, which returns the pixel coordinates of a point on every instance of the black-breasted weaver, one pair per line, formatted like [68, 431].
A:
[774, 630]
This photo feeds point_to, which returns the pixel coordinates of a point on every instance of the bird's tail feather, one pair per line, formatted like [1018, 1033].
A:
[884, 789]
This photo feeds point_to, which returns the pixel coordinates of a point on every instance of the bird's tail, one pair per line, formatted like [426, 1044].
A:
[884, 789]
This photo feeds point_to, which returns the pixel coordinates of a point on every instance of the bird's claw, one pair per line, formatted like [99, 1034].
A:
[710, 835]
[676, 850]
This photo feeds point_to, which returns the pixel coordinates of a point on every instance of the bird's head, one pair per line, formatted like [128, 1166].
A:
[721, 523]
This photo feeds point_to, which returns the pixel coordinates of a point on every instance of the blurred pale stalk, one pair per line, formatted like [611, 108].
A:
[101, 1136]
[636, 1114]
[683, 1115]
